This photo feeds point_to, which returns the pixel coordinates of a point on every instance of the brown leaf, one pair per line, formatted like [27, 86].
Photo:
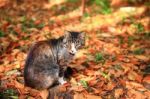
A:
[77, 88]
[146, 82]
[134, 76]
[44, 94]
[142, 57]
[110, 86]
[118, 93]
[92, 82]
[87, 96]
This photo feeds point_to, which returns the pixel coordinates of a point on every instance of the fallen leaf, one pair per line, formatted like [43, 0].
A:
[81, 96]
[118, 93]
[146, 82]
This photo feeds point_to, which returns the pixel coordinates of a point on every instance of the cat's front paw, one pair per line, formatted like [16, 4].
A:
[62, 81]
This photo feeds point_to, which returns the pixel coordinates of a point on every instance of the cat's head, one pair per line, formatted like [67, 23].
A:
[73, 41]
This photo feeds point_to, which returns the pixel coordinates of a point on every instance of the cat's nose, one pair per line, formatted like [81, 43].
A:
[73, 49]
[72, 52]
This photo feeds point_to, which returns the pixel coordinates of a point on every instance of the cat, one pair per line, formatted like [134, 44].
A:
[46, 61]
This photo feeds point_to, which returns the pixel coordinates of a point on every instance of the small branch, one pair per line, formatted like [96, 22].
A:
[82, 7]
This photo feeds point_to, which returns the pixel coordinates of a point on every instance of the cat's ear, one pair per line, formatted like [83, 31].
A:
[66, 35]
[82, 35]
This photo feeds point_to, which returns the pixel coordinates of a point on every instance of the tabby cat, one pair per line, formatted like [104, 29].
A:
[47, 59]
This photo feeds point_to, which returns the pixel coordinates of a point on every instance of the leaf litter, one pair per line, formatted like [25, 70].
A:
[111, 65]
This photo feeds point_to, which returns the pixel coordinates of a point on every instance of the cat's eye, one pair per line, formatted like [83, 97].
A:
[65, 45]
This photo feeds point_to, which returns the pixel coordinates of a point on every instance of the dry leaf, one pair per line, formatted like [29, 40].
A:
[118, 93]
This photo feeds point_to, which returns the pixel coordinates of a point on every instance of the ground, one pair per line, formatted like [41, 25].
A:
[114, 64]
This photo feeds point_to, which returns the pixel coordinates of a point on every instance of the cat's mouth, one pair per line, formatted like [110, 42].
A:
[72, 54]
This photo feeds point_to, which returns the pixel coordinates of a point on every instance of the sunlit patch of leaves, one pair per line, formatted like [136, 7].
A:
[104, 6]
[139, 51]
[11, 72]
[9, 94]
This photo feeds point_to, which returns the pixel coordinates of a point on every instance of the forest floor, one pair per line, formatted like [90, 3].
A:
[114, 64]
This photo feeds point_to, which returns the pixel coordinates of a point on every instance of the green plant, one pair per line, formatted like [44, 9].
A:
[147, 3]
[73, 1]
[9, 94]
[104, 5]
[86, 14]
[118, 67]
[121, 40]
[1, 33]
[139, 27]
[130, 40]
[105, 75]
[40, 26]
[138, 51]
[84, 83]
[99, 57]
[147, 35]
[30, 24]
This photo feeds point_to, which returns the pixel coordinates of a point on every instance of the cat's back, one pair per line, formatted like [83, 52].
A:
[39, 51]
[41, 47]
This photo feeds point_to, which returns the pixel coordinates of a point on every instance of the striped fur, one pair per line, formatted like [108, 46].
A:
[42, 68]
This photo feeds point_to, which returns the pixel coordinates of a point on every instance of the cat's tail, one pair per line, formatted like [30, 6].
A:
[59, 92]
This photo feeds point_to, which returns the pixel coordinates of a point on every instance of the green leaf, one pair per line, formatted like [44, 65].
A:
[130, 40]
[86, 14]
[84, 83]
[147, 35]
[139, 51]
[73, 1]
[99, 57]
[23, 19]
[9, 94]
[105, 75]
[39, 26]
[11, 72]
[14, 97]
[1, 33]
[118, 67]
[104, 5]
[139, 27]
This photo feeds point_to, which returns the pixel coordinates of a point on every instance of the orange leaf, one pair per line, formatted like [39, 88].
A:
[118, 93]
